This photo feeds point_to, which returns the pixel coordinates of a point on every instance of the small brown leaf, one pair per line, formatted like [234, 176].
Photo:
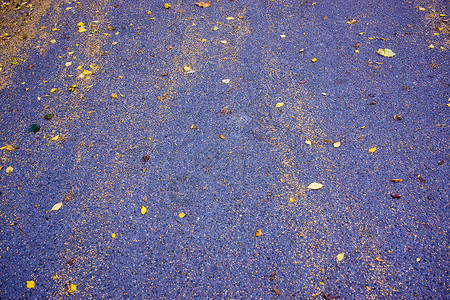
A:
[397, 117]
[396, 180]
[273, 276]
[421, 178]
[222, 137]
[357, 46]
[145, 158]
[277, 291]
[69, 197]
[111, 28]
[379, 259]
[203, 4]
[169, 47]
[396, 196]
[194, 126]
[302, 82]
[225, 110]
[351, 21]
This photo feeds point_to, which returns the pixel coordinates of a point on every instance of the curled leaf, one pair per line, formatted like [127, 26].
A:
[71, 288]
[340, 256]
[31, 284]
[396, 180]
[203, 4]
[372, 150]
[258, 232]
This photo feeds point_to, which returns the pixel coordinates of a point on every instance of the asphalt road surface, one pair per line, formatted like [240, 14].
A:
[239, 150]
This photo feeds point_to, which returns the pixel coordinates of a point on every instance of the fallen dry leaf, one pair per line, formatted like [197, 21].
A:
[340, 256]
[225, 110]
[372, 150]
[337, 144]
[203, 4]
[143, 210]
[71, 288]
[57, 206]
[279, 104]
[273, 276]
[222, 137]
[351, 21]
[7, 148]
[379, 259]
[396, 180]
[277, 291]
[308, 142]
[396, 196]
[386, 52]
[31, 284]
[258, 232]
[9, 170]
[69, 197]
[226, 81]
[114, 95]
[181, 215]
[113, 235]
[315, 186]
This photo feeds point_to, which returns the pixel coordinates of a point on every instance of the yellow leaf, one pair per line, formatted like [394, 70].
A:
[53, 41]
[418, 259]
[52, 90]
[337, 144]
[86, 72]
[57, 206]
[314, 60]
[308, 142]
[181, 215]
[55, 138]
[31, 284]
[143, 210]
[421, 8]
[291, 200]
[81, 29]
[282, 36]
[431, 46]
[258, 232]
[372, 150]
[215, 28]
[386, 52]
[223, 42]
[9, 170]
[315, 186]
[71, 288]
[113, 235]
[368, 288]
[7, 148]
[187, 69]
[340, 256]
[222, 137]
[80, 24]
[279, 104]
[166, 5]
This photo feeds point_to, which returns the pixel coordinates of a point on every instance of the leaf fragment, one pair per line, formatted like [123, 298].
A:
[396, 180]
[351, 21]
[258, 232]
[314, 59]
[308, 142]
[114, 95]
[372, 150]
[396, 196]
[143, 210]
[9, 170]
[57, 206]
[279, 104]
[386, 52]
[48, 116]
[379, 259]
[113, 235]
[203, 4]
[315, 186]
[336, 144]
[31, 284]
[7, 148]
[340, 256]
[226, 81]
[222, 137]
[277, 291]
[223, 42]
[181, 215]
[69, 197]
[166, 5]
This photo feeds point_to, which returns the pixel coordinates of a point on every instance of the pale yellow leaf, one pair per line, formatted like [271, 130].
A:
[315, 186]
[226, 81]
[57, 206]
[7, 148]
[229, 18]
[31, 284]
[279, 104]
[337, 144]
[386, 52]
[9, 170]
[308, 142]
[143, 210]
[181, 215]
[340, 256]
[223, 42]
[187, 68]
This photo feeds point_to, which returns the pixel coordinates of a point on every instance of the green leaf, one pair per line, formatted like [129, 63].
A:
[48, 116]
[35, 128]
[386, 52]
